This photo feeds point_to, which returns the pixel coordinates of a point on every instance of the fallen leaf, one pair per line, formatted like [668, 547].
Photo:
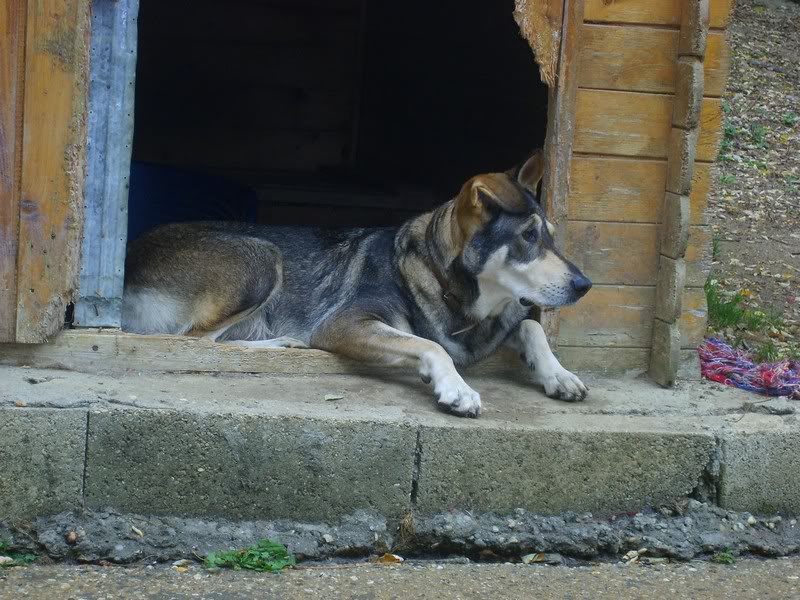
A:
[137, 531]
[332, 397]
[536, 557]
[389, 559]
[182, 569]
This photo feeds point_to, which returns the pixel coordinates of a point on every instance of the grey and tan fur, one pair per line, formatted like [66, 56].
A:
[447, 288]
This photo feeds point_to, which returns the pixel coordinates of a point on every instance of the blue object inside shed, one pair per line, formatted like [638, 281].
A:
[159, 195]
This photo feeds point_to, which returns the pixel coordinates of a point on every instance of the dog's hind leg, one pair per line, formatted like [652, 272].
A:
[368, 340]
[531, 342]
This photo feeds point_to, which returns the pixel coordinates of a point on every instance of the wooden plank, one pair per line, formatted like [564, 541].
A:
[12, 53]
[622, 316]
[694, 317]
[53, 164]
[560, 135]
[642, 59]
[631, 190]
[107, 351]
[694, 28]
[698, 256]
[630, 362]
[636, 124]
[541, 24]
[627, 253]
[648, 12]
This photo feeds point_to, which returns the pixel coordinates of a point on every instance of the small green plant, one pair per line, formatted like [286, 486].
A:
[715, 249]
[758, 133]
[724, 558]
[726, 107]
[790, 119]
[266, 555]
[767, 352]
[727, 179]
[721, 312]
[729, 133]
[17, 558]
[793, 352]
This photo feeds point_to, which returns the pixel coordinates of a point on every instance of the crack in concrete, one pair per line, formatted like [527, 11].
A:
[85, 461]
[415, 469]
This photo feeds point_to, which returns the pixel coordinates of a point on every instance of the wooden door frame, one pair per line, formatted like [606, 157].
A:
[560, 135]
[45, 65]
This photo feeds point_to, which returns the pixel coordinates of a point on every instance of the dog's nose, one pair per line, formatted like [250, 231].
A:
[581, 284]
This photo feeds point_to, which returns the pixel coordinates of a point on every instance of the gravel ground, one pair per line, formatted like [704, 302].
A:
[746, 579]
[754, 207]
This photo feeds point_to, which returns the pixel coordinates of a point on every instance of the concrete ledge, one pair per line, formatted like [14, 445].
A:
[550, 472]
[761, 470]
[41, 461]
[272, 447]
[247, 466]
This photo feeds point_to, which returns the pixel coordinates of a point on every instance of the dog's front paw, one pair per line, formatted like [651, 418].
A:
[563, 385]
[457, 397]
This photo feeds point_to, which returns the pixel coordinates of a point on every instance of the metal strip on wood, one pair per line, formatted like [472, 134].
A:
[110, 139]
[687, 104]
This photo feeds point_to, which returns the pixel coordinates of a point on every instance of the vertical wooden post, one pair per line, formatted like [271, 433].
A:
[561, 104]
[687, 103]
[12, 71]
[51, 197]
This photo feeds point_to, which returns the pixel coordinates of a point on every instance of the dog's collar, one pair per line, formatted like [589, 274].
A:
[453, 302]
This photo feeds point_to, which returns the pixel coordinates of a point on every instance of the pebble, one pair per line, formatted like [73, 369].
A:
[751, 520]
[327, 538]
[495, 529]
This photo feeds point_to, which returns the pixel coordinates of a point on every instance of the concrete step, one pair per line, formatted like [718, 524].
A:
[242, 447]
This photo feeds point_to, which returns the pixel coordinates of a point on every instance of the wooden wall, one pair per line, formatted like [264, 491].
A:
[626, 85]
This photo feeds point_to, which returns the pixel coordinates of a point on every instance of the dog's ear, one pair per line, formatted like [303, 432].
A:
[475, 204]
[530, 173]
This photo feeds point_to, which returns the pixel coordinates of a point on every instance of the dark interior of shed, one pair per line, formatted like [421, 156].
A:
[338, 112]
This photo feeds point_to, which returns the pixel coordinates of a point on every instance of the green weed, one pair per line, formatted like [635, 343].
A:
[727, 179]
[729, 133]
[722, 312]
[790, 119]
[17, 558]
[758, 133]
[266, 555]
[715, 249]
[724, 558]
[767, 352]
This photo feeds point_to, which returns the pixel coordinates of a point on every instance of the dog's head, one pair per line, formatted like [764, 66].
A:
[507, 242]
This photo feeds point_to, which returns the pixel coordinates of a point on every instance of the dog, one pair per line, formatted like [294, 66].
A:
[445, 289]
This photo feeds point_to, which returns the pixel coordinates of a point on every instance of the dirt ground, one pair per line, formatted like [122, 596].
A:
[749, 578]
[754, 207]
